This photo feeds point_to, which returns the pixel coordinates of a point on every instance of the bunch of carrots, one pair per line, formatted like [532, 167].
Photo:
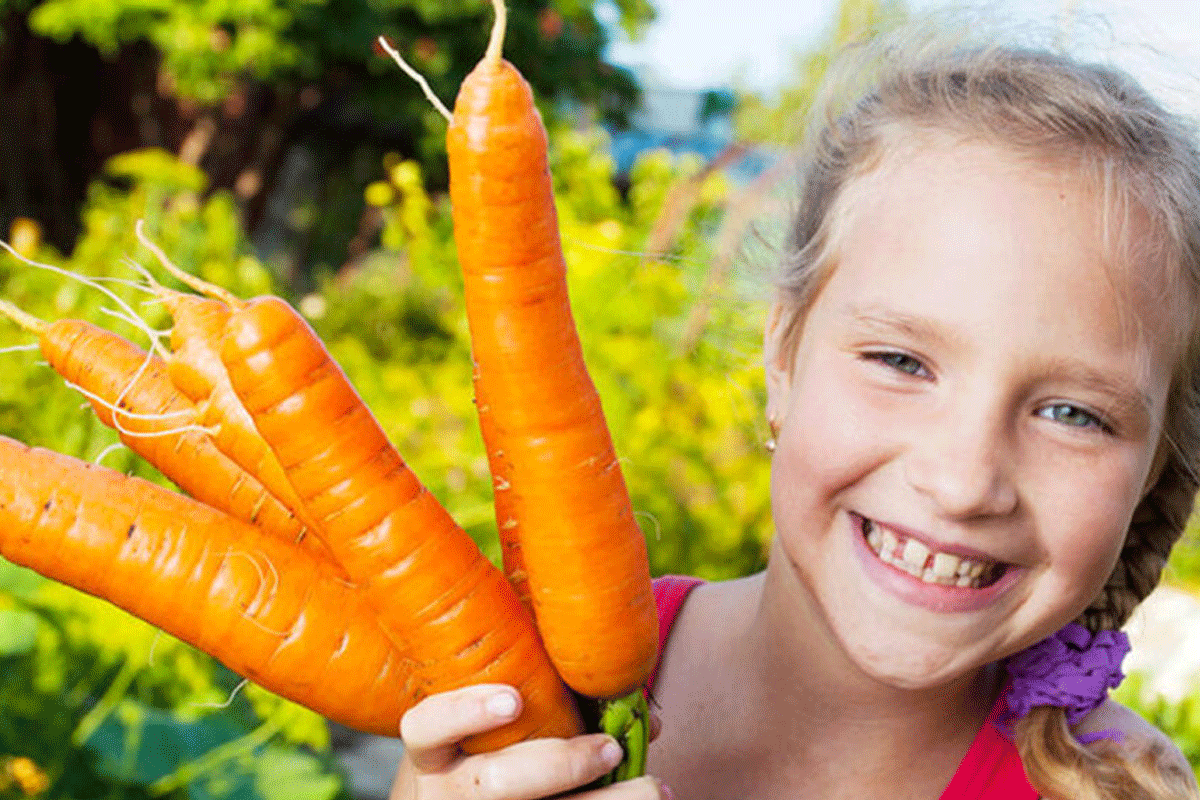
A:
[303, 552]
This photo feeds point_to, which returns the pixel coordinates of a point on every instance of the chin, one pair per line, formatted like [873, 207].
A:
[909, 666]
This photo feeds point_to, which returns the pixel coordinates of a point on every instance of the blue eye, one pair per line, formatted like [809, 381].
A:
[1074, 416]
[901, 362]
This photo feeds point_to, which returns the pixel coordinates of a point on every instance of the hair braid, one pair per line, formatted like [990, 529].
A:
[1157, 524]
[1063, 769]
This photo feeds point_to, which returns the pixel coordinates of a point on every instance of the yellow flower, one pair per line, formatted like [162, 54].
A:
[25, 236]
[28, 775]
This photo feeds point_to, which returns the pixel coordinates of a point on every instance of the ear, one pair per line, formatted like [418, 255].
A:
[1158, 465]
[777, 360]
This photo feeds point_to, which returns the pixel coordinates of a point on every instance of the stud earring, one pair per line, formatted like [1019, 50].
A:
[773, 424]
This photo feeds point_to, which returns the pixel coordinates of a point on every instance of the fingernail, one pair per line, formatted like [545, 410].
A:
[501, 705]
[611, 753]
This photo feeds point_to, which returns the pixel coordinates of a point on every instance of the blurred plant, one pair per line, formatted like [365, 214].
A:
[264, 95]
[95, 701]
[1179, 720]
[1183, 568]
[779, 118]
[21, 777]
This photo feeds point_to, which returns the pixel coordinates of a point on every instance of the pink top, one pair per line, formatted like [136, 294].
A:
[991, 769]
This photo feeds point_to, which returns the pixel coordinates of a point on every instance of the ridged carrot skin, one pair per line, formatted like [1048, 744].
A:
[120, 373]
[195, 368]
[583, 551]
[442, 602]
[508, 525]
[266, 610]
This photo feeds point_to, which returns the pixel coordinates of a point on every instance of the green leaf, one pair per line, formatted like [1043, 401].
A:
[293, 775]
[139, 744]
[18, 631]
[213, 757]
[18, 581]
[157, 167]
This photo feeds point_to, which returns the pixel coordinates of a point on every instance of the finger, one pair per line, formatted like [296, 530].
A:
[432, 729]
[537, 768]
[655, 725]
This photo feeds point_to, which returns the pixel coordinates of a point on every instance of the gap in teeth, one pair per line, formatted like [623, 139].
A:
[917, 560]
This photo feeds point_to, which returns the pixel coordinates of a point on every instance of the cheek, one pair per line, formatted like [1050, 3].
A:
[833, 428]
[1087, 530]
[826, 443]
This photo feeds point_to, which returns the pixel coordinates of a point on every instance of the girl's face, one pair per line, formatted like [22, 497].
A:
[970, 415]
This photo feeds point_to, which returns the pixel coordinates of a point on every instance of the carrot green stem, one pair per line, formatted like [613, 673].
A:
[627, 719]
[243, 745]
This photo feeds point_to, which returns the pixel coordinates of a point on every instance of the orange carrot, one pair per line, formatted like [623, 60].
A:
[131, 392]
[583, 551]
[507, 524]
[268, 611]
[435, 594]
[195, 367]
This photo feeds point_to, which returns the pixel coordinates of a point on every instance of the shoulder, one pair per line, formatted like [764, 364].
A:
[1137, 735]
[690, 637]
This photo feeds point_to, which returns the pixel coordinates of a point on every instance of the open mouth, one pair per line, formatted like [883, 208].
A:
[915, 558]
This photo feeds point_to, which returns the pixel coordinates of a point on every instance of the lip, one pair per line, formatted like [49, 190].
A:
[914, 591]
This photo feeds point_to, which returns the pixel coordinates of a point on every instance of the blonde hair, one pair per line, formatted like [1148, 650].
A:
[1059, 111]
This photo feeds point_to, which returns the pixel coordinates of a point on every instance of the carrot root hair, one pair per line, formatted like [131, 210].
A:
[186, 278]
[124, 312]
[411, 72]
[495, 47]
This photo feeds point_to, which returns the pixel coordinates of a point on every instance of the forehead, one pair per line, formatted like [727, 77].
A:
[967, 191]
[971, 232]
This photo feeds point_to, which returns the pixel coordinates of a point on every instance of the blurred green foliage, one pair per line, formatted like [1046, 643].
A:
[208, 46]
[209, 51]
[779, 118]
[102, 703]
[1179, 720]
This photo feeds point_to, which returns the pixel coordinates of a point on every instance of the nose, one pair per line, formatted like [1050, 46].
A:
[962, 461]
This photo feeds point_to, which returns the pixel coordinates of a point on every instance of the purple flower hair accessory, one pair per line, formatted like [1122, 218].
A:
[1072, 669]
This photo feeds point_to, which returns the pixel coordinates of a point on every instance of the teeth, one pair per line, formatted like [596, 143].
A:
[915, 558]
[890, 543]
[875, 539]
[946, 565]
[915, 554]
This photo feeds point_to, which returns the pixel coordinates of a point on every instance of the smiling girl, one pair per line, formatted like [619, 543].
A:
[982, 372]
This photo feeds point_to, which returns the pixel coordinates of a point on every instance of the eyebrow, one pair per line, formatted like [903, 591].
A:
[886, 320]
[1128, 397]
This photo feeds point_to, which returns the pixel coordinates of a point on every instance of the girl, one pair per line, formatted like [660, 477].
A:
[982, 374]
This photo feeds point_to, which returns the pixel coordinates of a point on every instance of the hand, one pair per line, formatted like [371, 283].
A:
[434, 768]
